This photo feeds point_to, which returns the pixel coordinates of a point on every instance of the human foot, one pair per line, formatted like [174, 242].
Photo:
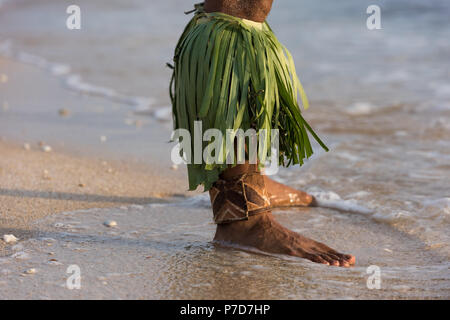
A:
[281, 195]
[264, 233]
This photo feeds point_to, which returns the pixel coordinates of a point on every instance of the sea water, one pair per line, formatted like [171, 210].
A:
[380, 100]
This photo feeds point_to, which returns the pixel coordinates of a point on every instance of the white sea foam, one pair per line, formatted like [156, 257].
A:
[348, 156]
[360, 108]
[442, 204]
[331, 200]
[383, 77]
[163, 114]
[75, 81]
[200, 201]
[325, 199]
[441, 89]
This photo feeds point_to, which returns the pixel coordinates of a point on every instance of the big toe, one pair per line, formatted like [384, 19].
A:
[350, 259]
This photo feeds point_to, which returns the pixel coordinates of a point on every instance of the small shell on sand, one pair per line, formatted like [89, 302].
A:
[26, 146]
[174, 167]
[30, 271]
[110, 223]
[103, 138]
[9, 238]
[54, 262]
[21, 255]
[45, 175]
[64, 112]
[46, 148]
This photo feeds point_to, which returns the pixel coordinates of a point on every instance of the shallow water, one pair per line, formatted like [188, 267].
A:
[380, 99]
[165, 251]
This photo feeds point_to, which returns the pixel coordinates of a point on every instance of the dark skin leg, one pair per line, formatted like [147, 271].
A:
[262, 231]
[256, 10]
[266, 234]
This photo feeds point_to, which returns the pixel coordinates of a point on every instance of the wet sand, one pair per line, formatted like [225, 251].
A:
[161, 247]
[164, 251]
[81, 171]
[57, 203]
[35, 184]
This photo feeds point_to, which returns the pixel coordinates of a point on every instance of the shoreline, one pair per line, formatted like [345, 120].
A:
[110, 161]
[35, 184]
[81, 171]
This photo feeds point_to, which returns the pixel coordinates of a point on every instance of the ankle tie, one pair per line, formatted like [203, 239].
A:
[238, 197]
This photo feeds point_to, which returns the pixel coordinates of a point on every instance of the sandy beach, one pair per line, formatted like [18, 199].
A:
[79, 172]
[57, 204]
[87, 181]
[35, 184]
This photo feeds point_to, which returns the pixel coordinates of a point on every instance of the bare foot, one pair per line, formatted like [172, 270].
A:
[281, 195]
[264, 233]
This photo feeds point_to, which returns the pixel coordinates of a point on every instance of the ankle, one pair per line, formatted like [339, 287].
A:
[245, 226]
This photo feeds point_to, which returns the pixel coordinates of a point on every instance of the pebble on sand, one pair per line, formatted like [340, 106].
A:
[26, 146]
[30, 271]
[9, 238]
[54, 262]
[110, 223]
[103, 139]
[46, 148]
[46, 175]
[174, 167]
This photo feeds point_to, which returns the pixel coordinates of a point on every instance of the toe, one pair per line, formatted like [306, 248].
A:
[350, 259]
[344, 263]
[317, 259]
[330, 260]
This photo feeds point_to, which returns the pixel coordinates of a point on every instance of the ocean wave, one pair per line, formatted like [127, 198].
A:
[360, 109]
[75, 81]
[331, 200]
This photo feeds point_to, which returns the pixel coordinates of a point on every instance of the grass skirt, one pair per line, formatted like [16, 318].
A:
[232, 73]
